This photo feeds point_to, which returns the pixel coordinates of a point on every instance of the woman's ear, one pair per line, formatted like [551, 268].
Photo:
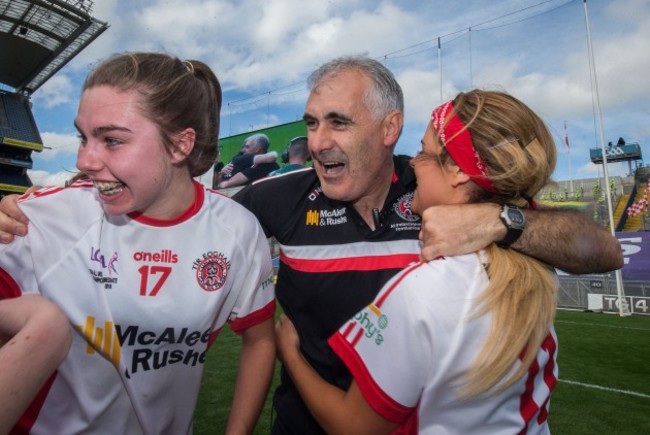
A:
[184, 145]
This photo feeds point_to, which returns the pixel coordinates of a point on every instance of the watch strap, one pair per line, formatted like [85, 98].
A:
[512, 232]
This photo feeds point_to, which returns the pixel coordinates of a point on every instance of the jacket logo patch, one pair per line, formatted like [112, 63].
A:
[403, 208]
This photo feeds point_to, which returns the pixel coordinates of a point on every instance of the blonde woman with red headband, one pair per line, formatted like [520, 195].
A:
[460, 344]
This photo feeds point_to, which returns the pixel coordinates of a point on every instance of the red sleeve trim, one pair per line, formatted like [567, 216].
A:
[382, 403]
[240, 324]
[8, 286]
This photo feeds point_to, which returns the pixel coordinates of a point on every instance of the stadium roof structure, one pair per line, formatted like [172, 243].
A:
[38, 37]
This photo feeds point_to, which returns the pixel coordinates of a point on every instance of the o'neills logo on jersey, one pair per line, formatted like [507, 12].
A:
[403, 208]
[164, 256]
[372, 325]
[326, 217]
[211, 270]
[148, 350]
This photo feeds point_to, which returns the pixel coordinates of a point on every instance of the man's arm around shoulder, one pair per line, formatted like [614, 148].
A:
[566, 239]
[570, 241]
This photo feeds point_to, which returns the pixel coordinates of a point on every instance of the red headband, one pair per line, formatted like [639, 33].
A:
[458, 141]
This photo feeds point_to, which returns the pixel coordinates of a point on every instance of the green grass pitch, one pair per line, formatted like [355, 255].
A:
[604, 385]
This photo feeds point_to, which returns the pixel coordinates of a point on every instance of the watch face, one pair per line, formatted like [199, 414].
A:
[516, 216]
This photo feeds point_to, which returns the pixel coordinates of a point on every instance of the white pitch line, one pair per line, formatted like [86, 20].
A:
[613, 390]
[604, 326]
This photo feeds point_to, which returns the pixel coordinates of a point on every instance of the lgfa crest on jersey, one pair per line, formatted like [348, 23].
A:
[211, 270]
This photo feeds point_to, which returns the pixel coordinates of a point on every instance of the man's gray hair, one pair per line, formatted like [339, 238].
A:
[259, 140]
[383, 97]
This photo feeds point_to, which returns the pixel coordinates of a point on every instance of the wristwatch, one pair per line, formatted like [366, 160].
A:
[515, 221]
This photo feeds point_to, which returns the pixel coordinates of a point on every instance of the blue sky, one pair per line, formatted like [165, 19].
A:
[263, 52]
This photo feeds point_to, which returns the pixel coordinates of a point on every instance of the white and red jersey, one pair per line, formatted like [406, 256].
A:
[409, 349]
[146, 298]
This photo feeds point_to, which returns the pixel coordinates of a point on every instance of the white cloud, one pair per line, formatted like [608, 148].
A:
[628, 11]
[421, 93]
[622, 67]
[281, 21]
[259, 48]
[56, 91]
[44, 178]
[191, 29]
[56, 144]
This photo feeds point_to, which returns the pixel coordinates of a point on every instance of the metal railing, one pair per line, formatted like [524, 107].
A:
[574, 290]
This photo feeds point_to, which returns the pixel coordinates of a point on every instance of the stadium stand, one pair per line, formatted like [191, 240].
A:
[587, 195]
[37, 38]
[19, 136]
[635, 215]
[583, 292]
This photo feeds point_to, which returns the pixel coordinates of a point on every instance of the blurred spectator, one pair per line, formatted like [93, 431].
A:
[244, 167]
[295, 156]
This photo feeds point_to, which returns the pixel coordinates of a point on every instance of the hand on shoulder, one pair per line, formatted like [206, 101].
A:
[12, 221]
[458, 229]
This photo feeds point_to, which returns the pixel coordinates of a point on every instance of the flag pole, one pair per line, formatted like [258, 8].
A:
[622, 304]
[568, 154]
[471, 73]
[440, 67]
